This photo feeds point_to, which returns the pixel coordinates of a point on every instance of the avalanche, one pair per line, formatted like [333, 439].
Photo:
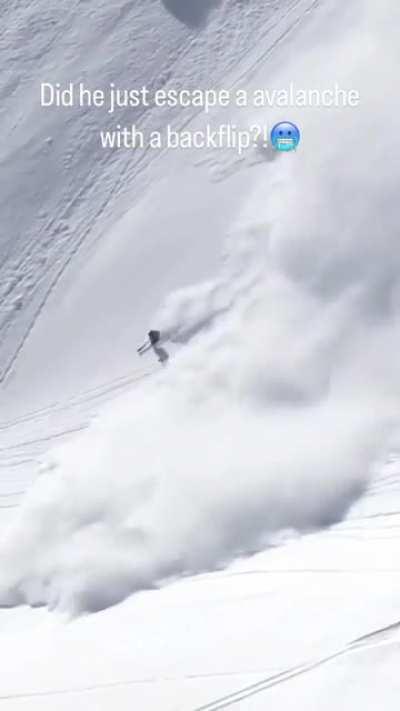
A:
[233, 519]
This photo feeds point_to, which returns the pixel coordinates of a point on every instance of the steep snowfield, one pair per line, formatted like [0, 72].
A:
[71, 190]
[276, 415]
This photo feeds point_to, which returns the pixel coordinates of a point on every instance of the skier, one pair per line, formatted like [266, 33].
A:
[154, 337]
[153, 341]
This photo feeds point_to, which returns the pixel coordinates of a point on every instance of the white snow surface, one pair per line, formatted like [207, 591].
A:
[232, 519]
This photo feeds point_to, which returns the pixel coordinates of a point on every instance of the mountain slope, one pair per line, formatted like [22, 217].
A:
[248, 494]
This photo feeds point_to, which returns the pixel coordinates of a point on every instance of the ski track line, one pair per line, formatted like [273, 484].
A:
[210, 577]
[45, 439]
[368, 641]
[252, 68]
[82, 398]
[80, 414]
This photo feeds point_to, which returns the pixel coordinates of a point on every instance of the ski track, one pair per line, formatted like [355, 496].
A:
[25, 439]
[368, 641]
[384, 636]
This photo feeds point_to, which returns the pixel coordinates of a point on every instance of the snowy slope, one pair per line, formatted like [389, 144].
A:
[268, 449]
[72, 191]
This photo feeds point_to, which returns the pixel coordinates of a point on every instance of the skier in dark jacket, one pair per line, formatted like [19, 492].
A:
[154, 337]
[154, 341]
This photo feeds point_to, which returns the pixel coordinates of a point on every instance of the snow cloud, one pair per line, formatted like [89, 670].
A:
[272, 414]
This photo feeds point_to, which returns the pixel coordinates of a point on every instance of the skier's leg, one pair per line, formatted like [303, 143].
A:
[145, 347]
